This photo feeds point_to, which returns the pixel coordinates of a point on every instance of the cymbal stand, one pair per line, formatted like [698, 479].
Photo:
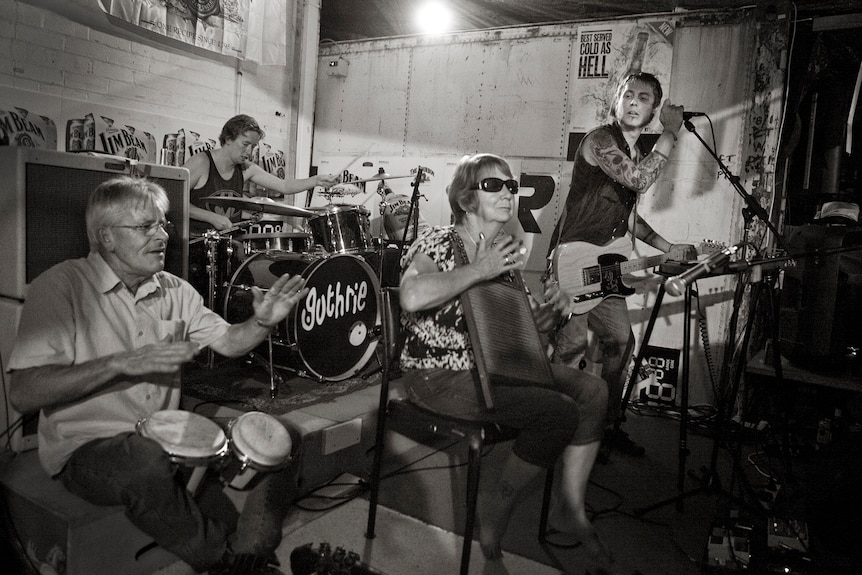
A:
[382, 190]
[413, 213]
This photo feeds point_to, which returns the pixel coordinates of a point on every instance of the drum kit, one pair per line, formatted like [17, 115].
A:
[332, 334]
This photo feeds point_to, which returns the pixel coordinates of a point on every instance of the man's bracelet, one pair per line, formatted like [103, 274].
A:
[264, 324]
[672, 134]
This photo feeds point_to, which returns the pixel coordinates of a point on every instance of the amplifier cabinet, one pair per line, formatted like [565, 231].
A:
[43, 199]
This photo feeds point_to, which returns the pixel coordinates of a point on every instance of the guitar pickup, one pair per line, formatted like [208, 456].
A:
[592, 275]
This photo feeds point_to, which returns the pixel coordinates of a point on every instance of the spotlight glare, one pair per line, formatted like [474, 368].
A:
[434, 18]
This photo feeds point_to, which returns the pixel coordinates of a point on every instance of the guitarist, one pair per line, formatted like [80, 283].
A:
[612, 169]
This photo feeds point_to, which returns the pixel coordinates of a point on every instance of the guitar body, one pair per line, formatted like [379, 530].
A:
[589, 273]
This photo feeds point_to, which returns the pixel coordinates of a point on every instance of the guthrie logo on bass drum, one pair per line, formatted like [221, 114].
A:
[338, 300]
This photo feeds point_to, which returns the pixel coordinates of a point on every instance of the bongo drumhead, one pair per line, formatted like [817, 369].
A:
[183, 434]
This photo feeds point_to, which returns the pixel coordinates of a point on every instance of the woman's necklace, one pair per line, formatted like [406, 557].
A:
[472, 241]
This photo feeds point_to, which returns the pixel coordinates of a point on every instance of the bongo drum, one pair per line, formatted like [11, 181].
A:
[258, 443]
[189, 439]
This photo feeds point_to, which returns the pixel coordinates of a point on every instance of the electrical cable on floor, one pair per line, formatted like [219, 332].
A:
[10, 430]
[404, 469]
[359, 488]
[363, 486]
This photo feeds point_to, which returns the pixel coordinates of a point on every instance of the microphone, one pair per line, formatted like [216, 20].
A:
[677, 284]
[689, 115]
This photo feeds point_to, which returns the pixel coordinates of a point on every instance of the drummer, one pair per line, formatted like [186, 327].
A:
[225, 170]
[100, 346]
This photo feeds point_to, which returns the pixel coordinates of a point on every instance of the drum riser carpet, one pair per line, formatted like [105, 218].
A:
[247, 388]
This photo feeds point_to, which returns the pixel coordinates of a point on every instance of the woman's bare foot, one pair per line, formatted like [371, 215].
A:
[582, 531]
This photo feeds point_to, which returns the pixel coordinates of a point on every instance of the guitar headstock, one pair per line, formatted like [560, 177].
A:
[709, 247]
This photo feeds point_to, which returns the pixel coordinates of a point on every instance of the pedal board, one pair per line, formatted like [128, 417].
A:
[787, 534]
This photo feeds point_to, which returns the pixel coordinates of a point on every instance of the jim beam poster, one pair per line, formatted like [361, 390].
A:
[606, 53]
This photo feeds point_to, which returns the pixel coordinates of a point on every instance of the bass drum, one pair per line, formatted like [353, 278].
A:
[329, 335]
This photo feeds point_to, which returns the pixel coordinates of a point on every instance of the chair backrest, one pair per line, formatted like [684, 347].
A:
[506, 342]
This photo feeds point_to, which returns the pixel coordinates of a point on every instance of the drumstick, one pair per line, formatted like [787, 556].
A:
[356, 157]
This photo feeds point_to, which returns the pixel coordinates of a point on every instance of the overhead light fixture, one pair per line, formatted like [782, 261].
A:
[434, 17]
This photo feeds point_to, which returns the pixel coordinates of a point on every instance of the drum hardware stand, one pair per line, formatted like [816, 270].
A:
[211, 238]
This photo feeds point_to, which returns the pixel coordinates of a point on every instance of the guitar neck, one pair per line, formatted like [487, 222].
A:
[643, 263]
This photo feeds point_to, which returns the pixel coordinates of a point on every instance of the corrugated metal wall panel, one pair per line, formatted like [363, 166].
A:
[512, 91]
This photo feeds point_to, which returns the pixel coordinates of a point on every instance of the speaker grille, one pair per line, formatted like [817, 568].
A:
[56, 202]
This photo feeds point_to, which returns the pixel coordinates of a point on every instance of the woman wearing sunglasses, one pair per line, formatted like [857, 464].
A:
[563, 423]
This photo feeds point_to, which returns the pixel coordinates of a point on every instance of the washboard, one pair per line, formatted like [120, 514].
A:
[505, 340]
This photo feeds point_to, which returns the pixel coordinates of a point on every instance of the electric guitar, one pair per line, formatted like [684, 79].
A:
[589, 273]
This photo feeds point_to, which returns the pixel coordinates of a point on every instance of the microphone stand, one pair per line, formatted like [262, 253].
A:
[730, 372]
[751, 202]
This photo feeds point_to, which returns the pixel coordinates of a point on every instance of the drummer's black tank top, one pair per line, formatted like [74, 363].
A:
[216, 186]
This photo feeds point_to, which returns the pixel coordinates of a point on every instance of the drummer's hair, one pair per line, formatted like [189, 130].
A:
[464, 185]
[113, 198]
[237, 126]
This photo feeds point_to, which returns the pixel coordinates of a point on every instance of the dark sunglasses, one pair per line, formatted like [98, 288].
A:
[496, 184]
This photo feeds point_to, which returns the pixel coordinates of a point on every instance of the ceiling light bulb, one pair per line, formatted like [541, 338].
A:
[434, 18]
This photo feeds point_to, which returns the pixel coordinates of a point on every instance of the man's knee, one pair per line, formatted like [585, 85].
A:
[149, 459]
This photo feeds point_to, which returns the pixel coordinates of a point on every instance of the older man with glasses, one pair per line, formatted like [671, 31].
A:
[99, 349]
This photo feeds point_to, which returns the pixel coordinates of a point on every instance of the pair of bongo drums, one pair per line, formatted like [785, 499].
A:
[254, 443]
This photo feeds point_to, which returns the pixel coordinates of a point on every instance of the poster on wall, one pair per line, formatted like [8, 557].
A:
[240, 28]
[606, 53]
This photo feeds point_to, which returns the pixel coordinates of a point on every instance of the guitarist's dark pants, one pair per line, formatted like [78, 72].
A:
[609, 321]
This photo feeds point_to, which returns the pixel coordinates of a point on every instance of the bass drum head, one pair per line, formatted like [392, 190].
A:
[331, 332]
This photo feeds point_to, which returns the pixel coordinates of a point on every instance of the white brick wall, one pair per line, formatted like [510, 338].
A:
[67, 62]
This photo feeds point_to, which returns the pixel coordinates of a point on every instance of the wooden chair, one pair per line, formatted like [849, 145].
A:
[405, 416]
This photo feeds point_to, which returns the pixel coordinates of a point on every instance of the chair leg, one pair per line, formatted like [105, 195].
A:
[474, 464]
[546, 505]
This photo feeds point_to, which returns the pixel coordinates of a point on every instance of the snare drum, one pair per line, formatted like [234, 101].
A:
[285, 242]
[329, 335]
[258, 442]
[341, 228]
[189, 439]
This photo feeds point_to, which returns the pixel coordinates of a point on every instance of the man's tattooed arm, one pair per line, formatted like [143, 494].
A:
[616, 164]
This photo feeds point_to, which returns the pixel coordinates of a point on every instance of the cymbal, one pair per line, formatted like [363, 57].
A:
[344, 189]
[265, 205]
